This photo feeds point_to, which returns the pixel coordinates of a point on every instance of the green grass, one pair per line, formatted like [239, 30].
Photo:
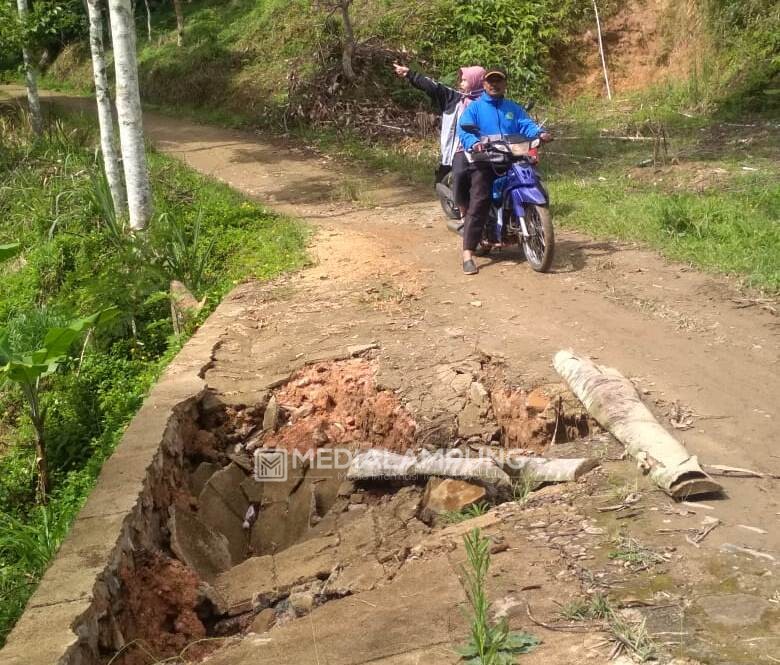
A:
[592, 608]
[76, 260]
[457, 516]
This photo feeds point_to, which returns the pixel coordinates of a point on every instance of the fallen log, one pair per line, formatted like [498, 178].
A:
[613, 401]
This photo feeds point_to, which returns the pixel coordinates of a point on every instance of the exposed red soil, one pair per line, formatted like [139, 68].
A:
[533, 420]
[161, 597]
[339, 404]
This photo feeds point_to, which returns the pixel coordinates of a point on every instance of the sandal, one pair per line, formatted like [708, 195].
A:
[470, 268]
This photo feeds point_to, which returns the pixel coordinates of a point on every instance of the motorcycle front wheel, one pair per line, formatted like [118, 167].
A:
[539, 248]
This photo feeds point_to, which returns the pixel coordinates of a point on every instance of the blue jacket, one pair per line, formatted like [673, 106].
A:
[495, 117]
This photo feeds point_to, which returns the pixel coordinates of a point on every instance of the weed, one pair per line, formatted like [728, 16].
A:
[490, 643]
[634, 554]
[523, 486]
[475, 510]
[593, 608]
[633, 636]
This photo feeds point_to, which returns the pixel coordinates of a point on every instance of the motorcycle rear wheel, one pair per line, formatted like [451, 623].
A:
[447, 203]
[539, 249]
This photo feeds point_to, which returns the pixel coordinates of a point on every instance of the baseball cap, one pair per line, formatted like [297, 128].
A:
[495, 71]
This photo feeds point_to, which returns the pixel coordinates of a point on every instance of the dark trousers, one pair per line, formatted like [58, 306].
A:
[482, 179]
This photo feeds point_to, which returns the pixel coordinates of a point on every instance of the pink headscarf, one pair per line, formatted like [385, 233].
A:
[473, 76]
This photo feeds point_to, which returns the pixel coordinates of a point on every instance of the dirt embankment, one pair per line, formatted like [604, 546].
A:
[646, 42]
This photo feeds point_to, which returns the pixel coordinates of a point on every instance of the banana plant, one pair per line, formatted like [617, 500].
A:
[28, 370]
[9, 251]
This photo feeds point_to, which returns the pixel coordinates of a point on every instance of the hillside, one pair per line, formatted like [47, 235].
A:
[273, 63]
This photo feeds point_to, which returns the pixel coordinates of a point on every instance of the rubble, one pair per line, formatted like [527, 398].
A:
[448, 495]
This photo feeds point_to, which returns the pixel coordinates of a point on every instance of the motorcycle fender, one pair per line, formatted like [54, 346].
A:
[523, 195]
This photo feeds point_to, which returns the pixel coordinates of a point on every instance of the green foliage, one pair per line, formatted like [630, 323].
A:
[516, 34]
[475, 510]
[490, 643]
[10, 250]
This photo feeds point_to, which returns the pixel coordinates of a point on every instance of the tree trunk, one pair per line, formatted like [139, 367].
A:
[128, 106]
[179, 22]
[613, 401]
[39, 424]
[33, 99]
[349, 42]
[148, 21]
[105, 117]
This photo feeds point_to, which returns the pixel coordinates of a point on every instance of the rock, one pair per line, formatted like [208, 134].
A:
[206, 592]
[346, 489]
[537, 401]
[198, 546]
[478, 394]
[448, 495]
[378, 464]
[263, 622]
[301, 602]
[738, 609]
[461, 384]
[201, 475]
[271, 416]
[248, 584]
[470, 421]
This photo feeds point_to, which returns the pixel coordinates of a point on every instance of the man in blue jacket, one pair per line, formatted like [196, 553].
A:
[492, 116]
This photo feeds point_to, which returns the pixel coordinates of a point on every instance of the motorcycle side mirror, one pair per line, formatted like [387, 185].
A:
[471, 129]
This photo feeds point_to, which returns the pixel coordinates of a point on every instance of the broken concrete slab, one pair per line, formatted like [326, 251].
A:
[312, 559]
[362, 575]
[448, 495]
[227, 484]
[471, 423]
[222, 506]
[429, 620]
[200, 476]
[379, 464]
[247, 585]
[198, 546]
[269, 532]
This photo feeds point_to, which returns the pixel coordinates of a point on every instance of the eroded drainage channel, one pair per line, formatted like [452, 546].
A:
[245, 548]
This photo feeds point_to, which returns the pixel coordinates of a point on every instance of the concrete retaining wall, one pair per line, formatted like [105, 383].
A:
[70, 619]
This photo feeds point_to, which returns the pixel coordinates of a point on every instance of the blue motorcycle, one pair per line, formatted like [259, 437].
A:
[520, 213]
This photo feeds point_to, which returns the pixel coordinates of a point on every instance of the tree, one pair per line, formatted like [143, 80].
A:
[30, 77]
[179, 22]
[105, 117]
[348, 45]
[28, 370]
[128, 106]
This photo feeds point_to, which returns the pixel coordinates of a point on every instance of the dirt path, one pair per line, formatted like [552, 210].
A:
[388, 271]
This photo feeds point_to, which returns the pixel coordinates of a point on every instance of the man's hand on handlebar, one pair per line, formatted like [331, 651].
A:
[478, 147]
[545, 137]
